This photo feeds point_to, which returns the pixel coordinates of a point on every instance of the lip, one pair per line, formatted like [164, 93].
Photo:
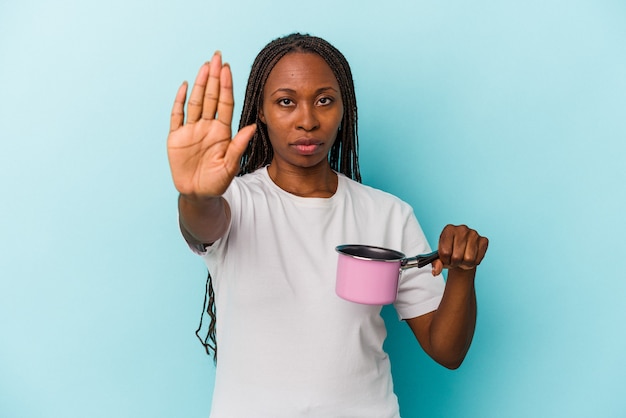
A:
[306, 146]
[306, 141]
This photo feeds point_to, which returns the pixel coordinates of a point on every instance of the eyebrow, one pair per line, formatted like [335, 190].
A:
[292, 91]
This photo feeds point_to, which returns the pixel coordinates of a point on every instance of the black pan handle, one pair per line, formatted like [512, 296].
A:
[419, 260]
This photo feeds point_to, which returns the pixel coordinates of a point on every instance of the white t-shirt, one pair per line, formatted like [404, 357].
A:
[288, 345]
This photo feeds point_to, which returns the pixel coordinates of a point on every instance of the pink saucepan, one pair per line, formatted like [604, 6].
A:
[370, 275]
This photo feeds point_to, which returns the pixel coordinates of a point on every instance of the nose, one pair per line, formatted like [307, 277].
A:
[307, 118]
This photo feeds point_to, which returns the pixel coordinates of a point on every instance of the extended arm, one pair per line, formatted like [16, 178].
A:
[203, 157]
[446, 334]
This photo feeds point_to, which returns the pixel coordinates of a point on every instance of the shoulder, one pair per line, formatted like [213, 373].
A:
[257, 177]
[247, 184]
[371, 194]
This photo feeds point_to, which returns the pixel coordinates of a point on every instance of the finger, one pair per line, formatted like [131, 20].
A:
[459, 247]
[475, 248]
[453, 246]
[178, 113]
[483, 244]
[238, 146]
[194, 107]
[212, 91]
[226, 101]
[446, 245]
[465, 249]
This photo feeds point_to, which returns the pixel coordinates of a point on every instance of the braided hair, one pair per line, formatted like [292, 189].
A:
[343, 155]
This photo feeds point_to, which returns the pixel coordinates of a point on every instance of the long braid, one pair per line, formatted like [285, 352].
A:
[343, 155]
[210, 310]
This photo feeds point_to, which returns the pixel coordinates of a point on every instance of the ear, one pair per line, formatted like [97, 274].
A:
[262, 115]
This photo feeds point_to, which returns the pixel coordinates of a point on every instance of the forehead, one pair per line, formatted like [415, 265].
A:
[299, 70]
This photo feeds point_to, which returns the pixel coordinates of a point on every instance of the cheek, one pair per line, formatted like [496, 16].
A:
[275, 131]
[274, 126]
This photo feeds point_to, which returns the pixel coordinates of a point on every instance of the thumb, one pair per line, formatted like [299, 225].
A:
[239, 143]
[437, 267]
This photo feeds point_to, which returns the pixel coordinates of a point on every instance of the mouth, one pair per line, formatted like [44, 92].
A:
[307, 146]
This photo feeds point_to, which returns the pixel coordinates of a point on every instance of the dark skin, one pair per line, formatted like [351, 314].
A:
[302, 109]
[446, 334]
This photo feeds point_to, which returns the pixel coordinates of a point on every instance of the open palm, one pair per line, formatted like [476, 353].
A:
[203, 157]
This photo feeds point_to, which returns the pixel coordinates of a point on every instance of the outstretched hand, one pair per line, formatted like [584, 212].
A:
[460, 247]
[203, 157]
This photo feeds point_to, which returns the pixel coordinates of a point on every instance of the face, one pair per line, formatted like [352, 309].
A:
[302, 109]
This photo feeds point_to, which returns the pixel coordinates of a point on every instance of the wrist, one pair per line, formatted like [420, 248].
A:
[201, 205]
[205, 219]
[197, 199]
[466, 275]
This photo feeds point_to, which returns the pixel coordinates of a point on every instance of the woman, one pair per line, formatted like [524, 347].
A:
[289, 346]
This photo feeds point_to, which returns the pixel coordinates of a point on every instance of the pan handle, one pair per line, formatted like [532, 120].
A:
[419, 260]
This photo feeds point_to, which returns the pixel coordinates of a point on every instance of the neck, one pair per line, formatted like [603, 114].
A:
[318, 181]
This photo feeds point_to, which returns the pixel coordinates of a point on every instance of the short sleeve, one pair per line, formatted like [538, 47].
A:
[419, 292]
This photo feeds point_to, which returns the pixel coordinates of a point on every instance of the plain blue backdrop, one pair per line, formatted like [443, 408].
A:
[505, 115]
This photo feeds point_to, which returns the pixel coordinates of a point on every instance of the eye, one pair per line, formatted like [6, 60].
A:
[285, 102]
[325, 101]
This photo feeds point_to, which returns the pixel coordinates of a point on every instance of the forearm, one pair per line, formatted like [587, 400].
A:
[453, 324]
[203, 221]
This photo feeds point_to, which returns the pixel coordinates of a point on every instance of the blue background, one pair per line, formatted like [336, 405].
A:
[507, 116]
